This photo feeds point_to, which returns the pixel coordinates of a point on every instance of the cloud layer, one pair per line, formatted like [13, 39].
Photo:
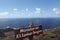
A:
[26, 13]
[37, 10]
[56, 11]
[15, 9]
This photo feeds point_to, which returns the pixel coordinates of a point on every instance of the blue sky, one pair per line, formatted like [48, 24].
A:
[29, 8]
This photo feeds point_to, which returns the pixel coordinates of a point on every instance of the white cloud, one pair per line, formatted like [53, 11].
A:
[8, 15]
[37, 10]
[3, 13]
[14, 15]
[56, 11]
[15, 9]
[26, 9]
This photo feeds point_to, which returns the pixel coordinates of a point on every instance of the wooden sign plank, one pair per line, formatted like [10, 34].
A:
[22, 33]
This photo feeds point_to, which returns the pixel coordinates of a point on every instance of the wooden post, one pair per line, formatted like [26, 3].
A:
[31, 37]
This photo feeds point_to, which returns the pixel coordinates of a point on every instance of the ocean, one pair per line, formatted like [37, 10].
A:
[47, 23]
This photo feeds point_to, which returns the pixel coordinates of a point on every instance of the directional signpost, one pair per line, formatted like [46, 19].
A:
[29, 32]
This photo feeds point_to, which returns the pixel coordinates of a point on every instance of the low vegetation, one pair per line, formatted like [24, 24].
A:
[52, 34]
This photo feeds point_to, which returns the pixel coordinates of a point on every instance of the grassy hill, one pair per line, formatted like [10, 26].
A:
[49, 34]
[9, 34]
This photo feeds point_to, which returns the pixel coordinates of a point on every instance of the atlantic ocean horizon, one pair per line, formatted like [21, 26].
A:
[47, 23]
